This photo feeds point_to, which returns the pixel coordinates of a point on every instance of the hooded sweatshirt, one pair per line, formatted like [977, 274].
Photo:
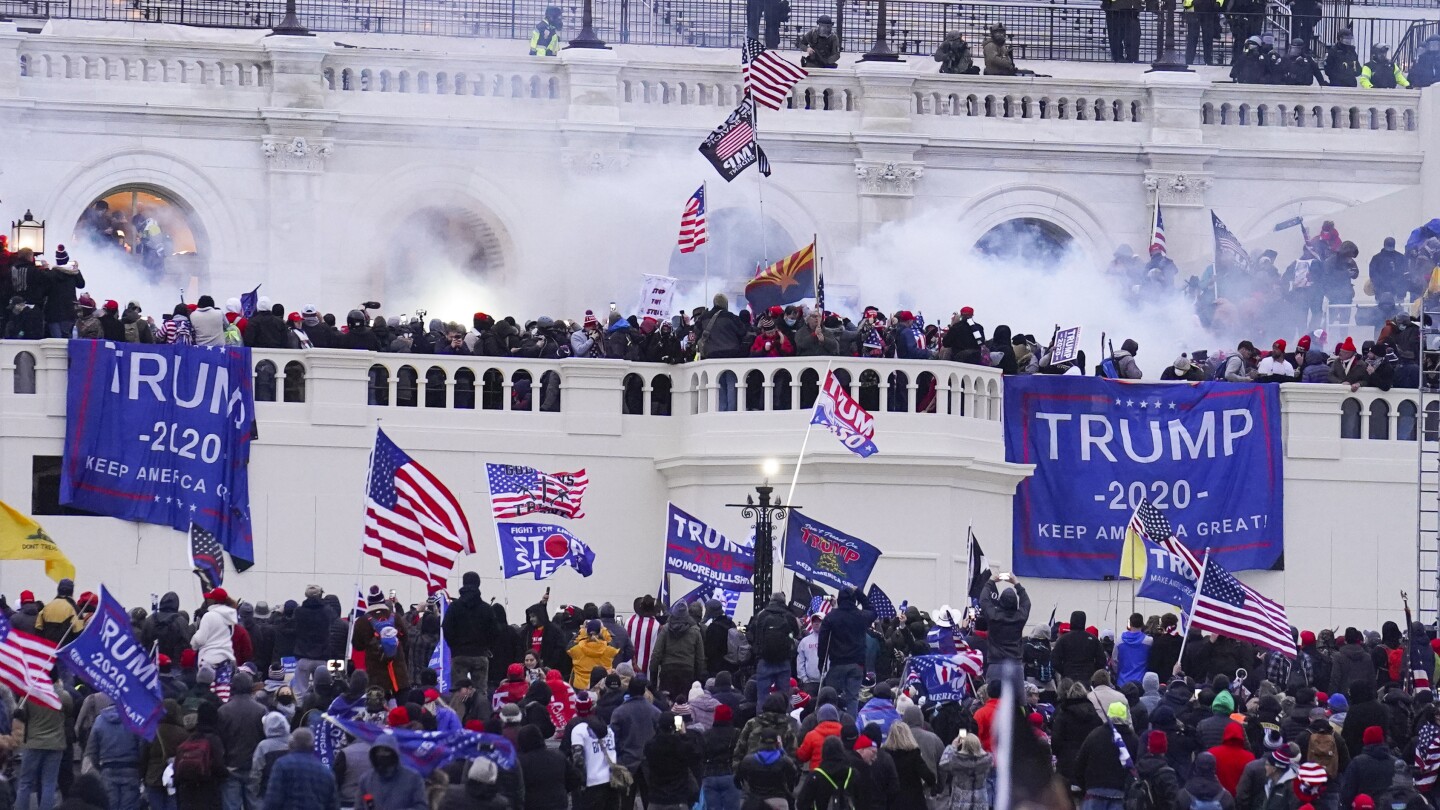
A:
[681, 645]
[1231, 756]
[1131, 655]
[1151, 697]
[276, 743]
[1203, 786]
[393, 788]
[212, 639]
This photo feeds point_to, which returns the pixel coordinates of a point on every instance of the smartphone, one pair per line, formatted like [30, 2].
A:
[392, 594]
[679, 723]
[546, 597]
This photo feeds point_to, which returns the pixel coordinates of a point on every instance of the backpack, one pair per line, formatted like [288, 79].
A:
[1395, 661]
[772, 634]
[1138, 796]
[737, 647]
[1201, 804]
[192, 760]
[388, 635]
[839, 799]
[270, 759]
[1321, 751]
[232, 335]
[132, 332]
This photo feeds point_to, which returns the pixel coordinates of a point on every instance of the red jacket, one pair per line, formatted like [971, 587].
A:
[985, 720]
[240, 643]
[1231, 757]
[809, 750]
[780, 346]
[509, 692]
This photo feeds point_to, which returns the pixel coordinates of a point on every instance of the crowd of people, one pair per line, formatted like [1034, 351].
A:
[676, 706]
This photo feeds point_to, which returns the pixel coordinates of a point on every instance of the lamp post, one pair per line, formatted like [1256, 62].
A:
[881, 50]
[1166, 56]
[290, 26]
[764, 513]
[587, 38]
[27, 233]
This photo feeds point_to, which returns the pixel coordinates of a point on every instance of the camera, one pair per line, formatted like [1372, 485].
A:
[370, 305]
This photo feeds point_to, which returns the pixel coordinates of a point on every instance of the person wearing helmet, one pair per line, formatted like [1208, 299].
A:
[954, 55]
[1299, 68]
[1248, 68]
[545, 39]
[1382, 71]
[1342, 63]
[999, 57]
[357, 333]
[820, 44]
[1426, 69]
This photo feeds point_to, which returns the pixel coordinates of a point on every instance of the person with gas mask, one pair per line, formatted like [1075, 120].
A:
[821, 46]
[545, 37]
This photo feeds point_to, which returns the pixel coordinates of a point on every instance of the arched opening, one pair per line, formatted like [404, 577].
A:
[462, 247]
[633, 398]
[660, 395]
[521, 396]
[726, 384]
[492, 393]
[899, 398]
[1405, 419]
[1379, 419]
[149, 229]
[24, 382]
[1026, 241]
[780, 392]
[379, 385]
[842, 376]
[1350, 419]
[435, 387]
[869, 390]
[264, 381]
[755, 391]
[925, 393]
[1432, 422]
[809, 388]
[294, 381]
[550, 392]
[407, 387]
[735, 241]
[465, 389]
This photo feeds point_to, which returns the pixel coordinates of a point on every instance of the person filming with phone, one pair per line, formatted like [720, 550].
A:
[1006, 614]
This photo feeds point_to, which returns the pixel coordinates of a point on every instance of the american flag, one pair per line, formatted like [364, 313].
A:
[762, 162]
[821, 605]
[412, 523]
[362, 605]
[26, 662]
[1157, 235]
[740, 136]
[1227, 247]
[692, 222]
[1427, 757]
[880, 603]
[768, 77]
[1149, 523]
[518, 491]
[221, 687]
[644, 631]
[1229, 607]
[208, 557]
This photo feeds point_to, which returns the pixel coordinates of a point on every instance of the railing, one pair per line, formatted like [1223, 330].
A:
[1341, 108]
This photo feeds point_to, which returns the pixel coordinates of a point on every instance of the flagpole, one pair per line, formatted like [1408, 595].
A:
[705, 195]
[759, 178]
[360, 563]
[819, 271]
[1199, 583]
[795, 478]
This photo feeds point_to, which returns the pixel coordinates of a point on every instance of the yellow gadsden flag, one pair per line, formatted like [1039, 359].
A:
[22, 539]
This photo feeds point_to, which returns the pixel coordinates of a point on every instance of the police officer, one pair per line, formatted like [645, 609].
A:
[999, 58]
[1299, 68]
[1122, 28]
[820, 44]
[1382, 71]
[1426, 70]
[774, 12]
[1202, 25]
[954, 55]
[545, 39]
[1342, 63]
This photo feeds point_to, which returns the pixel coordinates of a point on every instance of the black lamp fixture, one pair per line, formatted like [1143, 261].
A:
[1167, 58]
[587, 38]
[290, 26]
[881, 50]
[764, 513]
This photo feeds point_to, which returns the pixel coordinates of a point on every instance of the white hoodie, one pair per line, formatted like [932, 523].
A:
[212, 640]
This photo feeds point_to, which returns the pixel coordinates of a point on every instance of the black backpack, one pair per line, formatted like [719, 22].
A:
[839, 799]
[270, 759]
[773, 636]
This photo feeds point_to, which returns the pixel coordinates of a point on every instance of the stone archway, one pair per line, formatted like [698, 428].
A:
[150, 229]
[1029, 240]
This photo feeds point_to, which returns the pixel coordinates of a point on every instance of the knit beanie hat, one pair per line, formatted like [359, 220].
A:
[61, 257]
[590, 322]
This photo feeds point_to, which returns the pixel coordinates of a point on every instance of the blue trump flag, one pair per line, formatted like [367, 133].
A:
[161, 434]
[1208, 454]
[108, 658]
[250, 302]
[424, 751]
[440, 658]
[827, 555]
[541, 549]
[729, 600]
[943, 678]
[699, 552]
[1168, 578]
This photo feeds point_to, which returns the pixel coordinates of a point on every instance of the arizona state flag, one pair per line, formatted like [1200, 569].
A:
[22, 539]
[789, 280]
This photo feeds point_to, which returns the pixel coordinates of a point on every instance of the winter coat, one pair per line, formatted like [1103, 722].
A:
[204, 795]
[1164, 655]
[1007, 614]
[916, 779]
[749, 742]
[1231, 757]
[242, 726]
[1161, 777]
[1073, 722]
[717, 748]
[809, 751]
[1370, 773]
[212, 638]
[1097, 766]
[634, 725]
[681, 647]
[401, 789]
[390, 674]
[265, 331]
[470, 626]
[725, 337]
[312, 629]
[209, 326]
[300, 781]
[1077, 654]
[168, 736]
[165, 628]
[968, 777]
[111, 745]
[1364, 712]
[552, 641]
[1132, 656]
[766, 775]
[549, 775]
[276, 742]
[843, 634]
[1209, 790]
[587, 654]
[670, 760]
[815, 791]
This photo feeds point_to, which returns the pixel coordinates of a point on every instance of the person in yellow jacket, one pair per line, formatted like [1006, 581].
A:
[60, 616]
[591, 650]
[1382, 71]
[545, 38]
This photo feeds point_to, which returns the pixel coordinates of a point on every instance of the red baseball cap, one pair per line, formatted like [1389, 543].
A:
[218, 595]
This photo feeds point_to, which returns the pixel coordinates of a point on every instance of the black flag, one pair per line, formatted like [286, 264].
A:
[731, 148]
[979, 568]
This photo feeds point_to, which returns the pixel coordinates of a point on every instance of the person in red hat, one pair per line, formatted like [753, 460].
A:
[1371, 771]
[1347, 368]
[212, 640]
[87, 326]
[1276, 367]
[1163, 781]
[110, 325]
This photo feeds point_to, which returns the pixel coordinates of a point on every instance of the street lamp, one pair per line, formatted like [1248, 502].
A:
[27, 233]
[881, 50]
[1167, 57]
[587, 38]
[764, 513]
[290, 25]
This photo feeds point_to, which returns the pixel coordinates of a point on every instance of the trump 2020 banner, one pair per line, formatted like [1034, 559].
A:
[1206, 454]
[699, 552]
[826, 555]
[108, 658]
[161, 434]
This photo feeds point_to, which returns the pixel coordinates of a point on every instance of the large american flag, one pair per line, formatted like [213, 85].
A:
[821, 605]
[768, 77]
[692, 222]
[412, 523]
[880, 604]
[740, 136]
[518, 491]
[26, 661]
[644, 631]
[1229, 607]
[1227, 245]
[1151, 524]
[1426, 766]
[1157, 234]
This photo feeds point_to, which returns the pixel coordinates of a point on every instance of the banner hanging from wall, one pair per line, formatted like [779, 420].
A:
[827, 555]
[161, 434]
[697, 551]
[1207, 454]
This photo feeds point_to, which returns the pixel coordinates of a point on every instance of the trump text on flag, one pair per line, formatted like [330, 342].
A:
[826, 555]
[698, 551]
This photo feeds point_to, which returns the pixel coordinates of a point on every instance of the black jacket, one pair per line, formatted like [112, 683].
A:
[843, 633]
[1074, 720]
[165, 628]
[1164, 655]
[726, 337]
[1077, 654]
[717, 643]
[265, 330]
[717, 750]
[1164, 782]
[766, 775]
[469, 626]
[1098, 763]
[1342, 66]
[312, 629]
[669, 759]
[1007, 613]
[549, 775]
[1370, 773]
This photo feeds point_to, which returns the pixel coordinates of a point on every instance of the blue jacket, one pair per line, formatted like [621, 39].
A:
[312, 629]
[402, 789]
[300, 781]
[1131, 655]
[843, 633]
[111, 744]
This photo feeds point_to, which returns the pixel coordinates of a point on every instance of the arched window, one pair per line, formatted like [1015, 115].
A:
[632, 399]
[899, 394]
[780, 394]
[465, 389]
[809, 388]
[1379, 419]
[522, 398]
[869, 390]
[294, 381]
[407, 387]
[264, 381]
[925, 393]
[379, 385]
[1432, 422]
[24, 373]
[492, 393]
[154, 232]
[550, 392]
[726, 384]
[660, 395]
[755, 391]
[1350, 419]
[435, 387]
[1405, 421]
[842, 376]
